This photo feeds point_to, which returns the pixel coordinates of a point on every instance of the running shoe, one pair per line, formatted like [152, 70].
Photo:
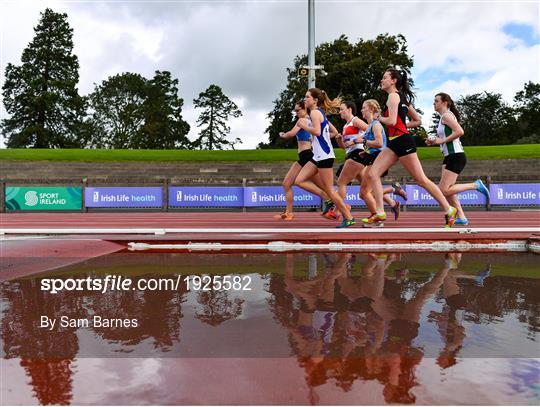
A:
[284, 216]
[346, 223]
[395, 210]
[327, 205]
[398, 190]
[374, 221]
[450, 218]
[364, 220]
[331, 214]
[480, 187]
[461, 222]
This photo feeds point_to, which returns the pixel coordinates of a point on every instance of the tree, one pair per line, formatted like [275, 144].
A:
[40, 96]
[217, 307]
[217, 109]
[129, 111]
[163, 127]
[117, 111]
[528, 109]
[354, 71]
[486, 120]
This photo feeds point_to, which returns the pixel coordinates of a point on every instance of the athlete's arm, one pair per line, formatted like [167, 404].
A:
[359, 124]
[333, 130]
[316, 120]
[341, 143]
[377, 132]
[457, 130]
[392, 103]
[291, 133]
[415, 118]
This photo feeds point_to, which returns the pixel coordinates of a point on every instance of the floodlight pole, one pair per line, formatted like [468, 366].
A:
[311, 43]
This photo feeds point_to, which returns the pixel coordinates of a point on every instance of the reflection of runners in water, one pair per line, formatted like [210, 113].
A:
[402, 275]
[448, 322]
[452, 260]
[350, 328]
[398, 353]
[482, 275]
[312, 268]
[314, 327]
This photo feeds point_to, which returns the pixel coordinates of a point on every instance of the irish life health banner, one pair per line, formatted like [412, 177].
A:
[275, 196]
[196, 197]
[515, 194]
[43, 198]
[123, 197]
[419, 196]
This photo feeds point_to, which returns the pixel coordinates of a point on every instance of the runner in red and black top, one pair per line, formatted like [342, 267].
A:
[401, 146]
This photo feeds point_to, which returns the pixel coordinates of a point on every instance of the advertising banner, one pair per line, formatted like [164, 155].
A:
[275, 196]
[515, 194]
[420, 197]
[43, 198]
[206, 197]
[123, 197]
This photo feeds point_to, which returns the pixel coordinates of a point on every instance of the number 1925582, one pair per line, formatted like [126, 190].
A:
[208, 283]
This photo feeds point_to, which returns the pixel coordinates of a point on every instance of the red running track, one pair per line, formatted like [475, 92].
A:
[411, 219]
[252, 222]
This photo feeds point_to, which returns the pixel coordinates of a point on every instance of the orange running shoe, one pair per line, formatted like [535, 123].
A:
[334, 213]
[331, 214]
[284, 216]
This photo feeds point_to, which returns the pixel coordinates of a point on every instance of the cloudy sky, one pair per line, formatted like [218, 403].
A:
[459, 47]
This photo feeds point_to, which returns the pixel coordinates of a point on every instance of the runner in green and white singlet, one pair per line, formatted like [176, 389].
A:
[448, 136]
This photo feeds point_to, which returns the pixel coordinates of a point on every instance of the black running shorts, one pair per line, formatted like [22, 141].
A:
[353, 155]
[304, 157]
[328, 163]
[455, 162]
[368, 159]
[402, 145]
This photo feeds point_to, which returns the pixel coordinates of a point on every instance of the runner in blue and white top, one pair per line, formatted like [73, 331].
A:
[318, 103]
[322, 145]
[374, 141]
[449, 132]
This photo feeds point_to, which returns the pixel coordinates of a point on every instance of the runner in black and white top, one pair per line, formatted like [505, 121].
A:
[319, 104]
[449, 133]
